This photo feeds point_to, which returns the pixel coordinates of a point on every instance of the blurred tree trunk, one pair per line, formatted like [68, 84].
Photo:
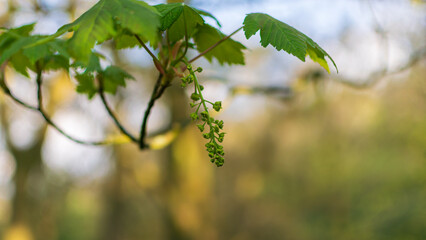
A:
[112, 228]
[178, 101]
[26, 161]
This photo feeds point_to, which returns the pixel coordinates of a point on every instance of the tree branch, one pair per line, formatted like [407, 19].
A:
[7, 91]
[215, 45]
[157, 92]
[111, 113]
[49, 121]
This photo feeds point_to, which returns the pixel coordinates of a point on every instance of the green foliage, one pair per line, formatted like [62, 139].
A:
[15, 46]
[284, 37]
[114, 77]
[179, 19]
[207, 14]
[86, 84]
[99, 23]
[229, 52]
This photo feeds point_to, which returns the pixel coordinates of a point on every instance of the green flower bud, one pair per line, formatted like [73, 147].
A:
[204, 114]
[195, 96]
[216, 129]
[194, 116]
[190, 79]
[220, 124]
[206, 135]
[217, 106]
[220, 152]
[201, 127]
[199, 69]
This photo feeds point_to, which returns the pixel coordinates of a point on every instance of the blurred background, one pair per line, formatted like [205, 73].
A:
[308, 155]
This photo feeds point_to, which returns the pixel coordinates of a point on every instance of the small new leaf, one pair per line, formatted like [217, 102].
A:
[86, 84]
[179, 19]
[114, 77]
[284, 37]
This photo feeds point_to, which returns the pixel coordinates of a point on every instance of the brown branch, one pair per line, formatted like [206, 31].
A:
[111, 113]
[7, 91]
[215, 45]
[39, 81]
[157, 92]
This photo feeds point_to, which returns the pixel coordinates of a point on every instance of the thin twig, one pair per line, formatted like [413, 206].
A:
[214, 45]
[49, 121]
[156, 94]
[157, 62]
[7, 91]
[111, 113]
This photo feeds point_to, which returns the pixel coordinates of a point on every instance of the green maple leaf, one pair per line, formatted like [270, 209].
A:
[86, 84]
[229, 51]
[284, 37]
[16, 46]
[56, 62]
[179, 19]
[21, 64]
[11, 35]
[114, 77]
[13, 48]
[23, 57]
[125, 40]
[207, 14]
[99, 23]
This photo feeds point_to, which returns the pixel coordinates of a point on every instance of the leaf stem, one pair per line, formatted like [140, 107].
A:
[215, 45]
[157, 62]
[112, 114]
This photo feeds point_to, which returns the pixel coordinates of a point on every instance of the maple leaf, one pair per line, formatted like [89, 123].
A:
[284, 37]
[229, 51]
[178, 19]
[99, 23]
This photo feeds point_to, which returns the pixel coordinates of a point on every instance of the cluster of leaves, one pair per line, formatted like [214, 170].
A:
[16, 49]
[170, 29]
[214, 134]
